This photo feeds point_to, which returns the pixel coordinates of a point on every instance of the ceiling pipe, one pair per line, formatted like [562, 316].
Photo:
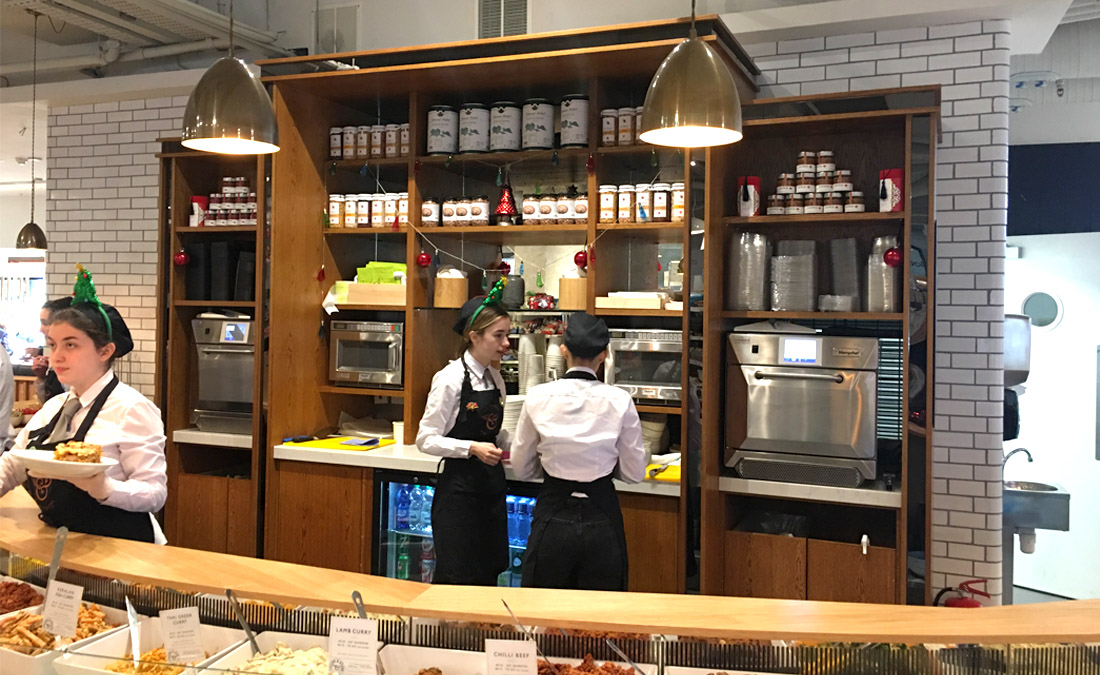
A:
[110, 54]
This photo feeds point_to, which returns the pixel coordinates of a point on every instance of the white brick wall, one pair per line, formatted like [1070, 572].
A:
[970, 60]
[102, 187]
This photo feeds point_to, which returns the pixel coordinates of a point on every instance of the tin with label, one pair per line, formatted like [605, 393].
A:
[442, 130]
[504, 127]
[574, 121]
[538, 124]
[473, 128]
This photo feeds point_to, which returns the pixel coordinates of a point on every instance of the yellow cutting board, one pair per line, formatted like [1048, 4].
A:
[671, 474]
[335, 444]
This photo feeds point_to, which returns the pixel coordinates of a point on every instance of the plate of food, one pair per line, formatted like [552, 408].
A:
[69, 460]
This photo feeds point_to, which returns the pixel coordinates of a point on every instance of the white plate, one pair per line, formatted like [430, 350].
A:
[42, 464]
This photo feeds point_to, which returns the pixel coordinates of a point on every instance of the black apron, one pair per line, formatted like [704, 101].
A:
[469, 516]
[62, 503]
[553, 497]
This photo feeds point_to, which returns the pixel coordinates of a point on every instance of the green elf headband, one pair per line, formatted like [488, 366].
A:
[84, 292]
[473, 306]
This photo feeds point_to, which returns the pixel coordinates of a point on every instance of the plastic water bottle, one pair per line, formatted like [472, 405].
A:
[426, 510]
[513, 523]
[427, 560]
[402, 500]
[523, 517]
[416, 503]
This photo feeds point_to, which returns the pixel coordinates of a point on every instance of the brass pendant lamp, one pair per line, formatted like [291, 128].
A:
[229, 112]
[692, 101]
[31, 235]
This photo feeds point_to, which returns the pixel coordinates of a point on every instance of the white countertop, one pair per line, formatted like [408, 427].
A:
[409, 458]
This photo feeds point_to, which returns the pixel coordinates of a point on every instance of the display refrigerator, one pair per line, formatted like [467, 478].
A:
[402, 542]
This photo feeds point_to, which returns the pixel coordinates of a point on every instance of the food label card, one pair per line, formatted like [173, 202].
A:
[62, 608]
[182, 640]
[353, 646]
[510, 657]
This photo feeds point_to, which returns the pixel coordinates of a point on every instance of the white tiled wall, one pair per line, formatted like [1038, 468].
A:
[102, 182]
[970, 60]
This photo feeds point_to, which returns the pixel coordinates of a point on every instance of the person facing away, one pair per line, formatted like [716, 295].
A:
[578, 433]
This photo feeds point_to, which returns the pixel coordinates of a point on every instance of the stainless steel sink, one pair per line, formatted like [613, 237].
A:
[1039, 506]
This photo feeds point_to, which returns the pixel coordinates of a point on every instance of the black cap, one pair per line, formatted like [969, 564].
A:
[119, 332]
[466, 313]
[586, 335]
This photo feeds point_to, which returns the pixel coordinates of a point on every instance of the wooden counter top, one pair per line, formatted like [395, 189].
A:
[703, 616]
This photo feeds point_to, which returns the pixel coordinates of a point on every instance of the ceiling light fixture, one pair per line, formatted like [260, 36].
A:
[31, 235]
[692, 101]
[229, 112]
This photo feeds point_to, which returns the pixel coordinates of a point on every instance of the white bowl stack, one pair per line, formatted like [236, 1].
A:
[654, 433]
[512, 408]
[532, 371]
[555, 362]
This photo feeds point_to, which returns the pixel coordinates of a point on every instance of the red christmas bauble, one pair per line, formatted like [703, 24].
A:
[505, 268]
[892, 257]
[580, 259]
[181, 258]
[424, 259]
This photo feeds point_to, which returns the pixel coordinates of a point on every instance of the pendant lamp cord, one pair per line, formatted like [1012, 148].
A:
[693, 34]
[231, 28]
[34, 108]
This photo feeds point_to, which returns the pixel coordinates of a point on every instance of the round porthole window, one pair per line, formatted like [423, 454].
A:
[1043, 309]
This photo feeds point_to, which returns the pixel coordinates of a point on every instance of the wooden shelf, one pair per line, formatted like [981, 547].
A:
[537, 235]
[364, 231]
[663, 409]
[615, 311]
[250, 304]
[232, 229]
[357, 164]
[665, 231]
[824, 218]
[502, 158]
[370, 308]
[636, 149]
[360, 391]
[824, 316]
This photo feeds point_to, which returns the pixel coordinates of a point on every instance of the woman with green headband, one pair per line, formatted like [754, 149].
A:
[462, 424]
[85, 339]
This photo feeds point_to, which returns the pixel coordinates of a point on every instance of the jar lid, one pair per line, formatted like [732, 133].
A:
[532, 101]
[548, 196]
[336, 198]
[837, 195]
[504, 104]
[405, 125]
[473, 106]
[643, 186]
[608, 188]
[825, 153]
[402, 195]
[429, 200]
[441, 107]
[626, 188]
[777, 197]
[350, 126]
[381, 127]
[677, 186]
[575, 97]
[807, 175]
[844, 172]
[662, 186]
[824, 174]
[855, 193]
[786, 175]
[795, 196]
[807, 153]
[362, 127]
[363, 196]
[390, 127]
[639, 108]
[628, 109]
[483, 198]
[609, 111]
[351, 198]
[331, 129]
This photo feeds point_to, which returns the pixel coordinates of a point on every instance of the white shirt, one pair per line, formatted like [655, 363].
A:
[129, 429]
[441, 411]
[7, 398]
[578, 430]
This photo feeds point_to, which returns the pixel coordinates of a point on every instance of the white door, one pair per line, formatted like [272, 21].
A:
[1058, 407]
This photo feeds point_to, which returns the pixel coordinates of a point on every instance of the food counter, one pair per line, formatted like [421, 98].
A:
[711, 631]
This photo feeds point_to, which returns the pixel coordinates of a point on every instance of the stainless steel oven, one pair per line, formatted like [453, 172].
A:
[646, 363]
[226, 349]
[366, 353]
[801, 407]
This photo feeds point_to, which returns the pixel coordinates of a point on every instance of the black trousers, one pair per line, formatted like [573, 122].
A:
[580, 550]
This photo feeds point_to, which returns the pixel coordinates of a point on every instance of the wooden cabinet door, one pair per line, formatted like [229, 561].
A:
[765, 566]
[653, 542]
[843, 573]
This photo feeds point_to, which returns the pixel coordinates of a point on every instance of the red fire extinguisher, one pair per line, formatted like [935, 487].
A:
[963, 599]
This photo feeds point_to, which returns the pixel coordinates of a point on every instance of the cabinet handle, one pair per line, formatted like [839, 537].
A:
[865, 542]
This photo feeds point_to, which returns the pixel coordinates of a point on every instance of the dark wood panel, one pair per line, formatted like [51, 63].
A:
[240, 517]
[842, 573]
[652, 541]
[765, 566]
[201, 524]
[321, 518]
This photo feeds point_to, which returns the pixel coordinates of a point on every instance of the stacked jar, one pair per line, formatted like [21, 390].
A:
[454, 212]
[640, 203]
[369, 142]
[234, 206]
[817, 186]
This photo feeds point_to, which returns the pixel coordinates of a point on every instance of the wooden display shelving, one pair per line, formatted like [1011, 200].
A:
[212, 230]
[360, 391]
[366, 231]
[358, 163]
[821, 218]
[529, 235]
[249, 304]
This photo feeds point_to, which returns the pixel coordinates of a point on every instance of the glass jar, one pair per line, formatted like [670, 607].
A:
[842, 181]
[335, 211]
[643, 201]
[462, 212]
[250, 203]
[834, 203]
[777, 205]
[824, 182]
[580, 209]
[429, 213]
[784, 185]
[335, 142]
[404, 134]
[854, 202]
[638, 123]
[609, 127]
[362, 141]
[378, 209]
[566, 215]
[390, 210]
[796, 205]
[659, 197]
[676, 212]
[626, 126]
[805, 183]
[826, 161]
[351, 211]
[609, 203]
[479, 211]
[403, 209]
[378, 141]
[348, 147]
[626, 199]
[450, 219]
[814, 203]
[393, 139]
[807, 162]
[548, 210]
[531, 209]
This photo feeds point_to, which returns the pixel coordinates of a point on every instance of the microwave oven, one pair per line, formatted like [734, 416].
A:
[646, 363]
[366, 353]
